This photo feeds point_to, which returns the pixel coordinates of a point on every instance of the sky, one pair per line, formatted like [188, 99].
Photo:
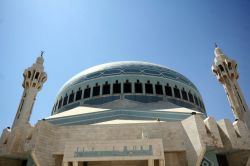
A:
[78, 34]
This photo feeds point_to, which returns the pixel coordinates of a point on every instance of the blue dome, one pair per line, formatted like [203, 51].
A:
[90, 86]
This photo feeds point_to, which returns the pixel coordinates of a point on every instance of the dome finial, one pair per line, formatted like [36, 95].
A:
[42, 53]
[215, 45]
[217, 51]
[40, 58]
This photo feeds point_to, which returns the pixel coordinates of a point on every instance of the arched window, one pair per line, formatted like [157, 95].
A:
[221, 67]
[106, 88]
[127, 88]
[138, 87]
[96, 90]
[200, 103]
[60, 103]
[86, 92]
[37, 75]
[116, 87]
[71, 97]
[158, 89]
[190, 96]
[196, 100]
[177, 92]
[149, 87]
[65, 100]
[229, 65]
[29, 74]
[56, 104]
[184, 94]
[168, 90]
[27, 84]
[79, 94]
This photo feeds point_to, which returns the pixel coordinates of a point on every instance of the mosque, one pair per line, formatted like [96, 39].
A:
[128, 113]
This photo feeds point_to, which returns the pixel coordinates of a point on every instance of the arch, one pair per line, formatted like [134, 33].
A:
[127, 87]
[148, 87]
[184, 94]
[79, 94]
[168, 90]
[60, 103]
[86, 92]
[37, 75]
[96, 90]
[196, 100]
[106, 88]
[190, 96]
[221, 68]
[71, 96]
[29, 73]
[158, 89]
[177, 93]
[65, 100]
[27, 84]
[138, 87]
[56, 104]
[116, 87]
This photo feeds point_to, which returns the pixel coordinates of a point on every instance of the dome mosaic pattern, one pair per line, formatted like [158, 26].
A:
[130, 80]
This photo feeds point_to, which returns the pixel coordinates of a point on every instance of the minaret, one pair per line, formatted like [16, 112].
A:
[226, 72]
[34, 77]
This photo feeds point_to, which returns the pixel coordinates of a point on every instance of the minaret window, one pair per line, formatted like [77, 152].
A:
[71, 97]
[96, 90]
[65, 100]
[196, 100]
[127, 88]
[29, 74]
[190, 96]
[79, 94]
[177, 92]
[116, 87]
[184, 94]
[86, 92]
[158, 89]
[221, 67]
[33, 73]
[215, 72]
[138, 87]
[37, 75]
[27, 84]
[229, 65]
[168, 90]
[60, 103]
[149, 88]
[106, 89]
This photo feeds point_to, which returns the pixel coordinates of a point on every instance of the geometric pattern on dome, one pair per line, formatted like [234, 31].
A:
[131, 68]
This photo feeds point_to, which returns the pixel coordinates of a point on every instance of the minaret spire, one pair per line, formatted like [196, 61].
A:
[225, 70]
[42, 53]
[215, 45]
[34, 78]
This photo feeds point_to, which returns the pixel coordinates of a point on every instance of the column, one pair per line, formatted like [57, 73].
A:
[150, 162]
[65, 164]
[75, 163]
[161, 162]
